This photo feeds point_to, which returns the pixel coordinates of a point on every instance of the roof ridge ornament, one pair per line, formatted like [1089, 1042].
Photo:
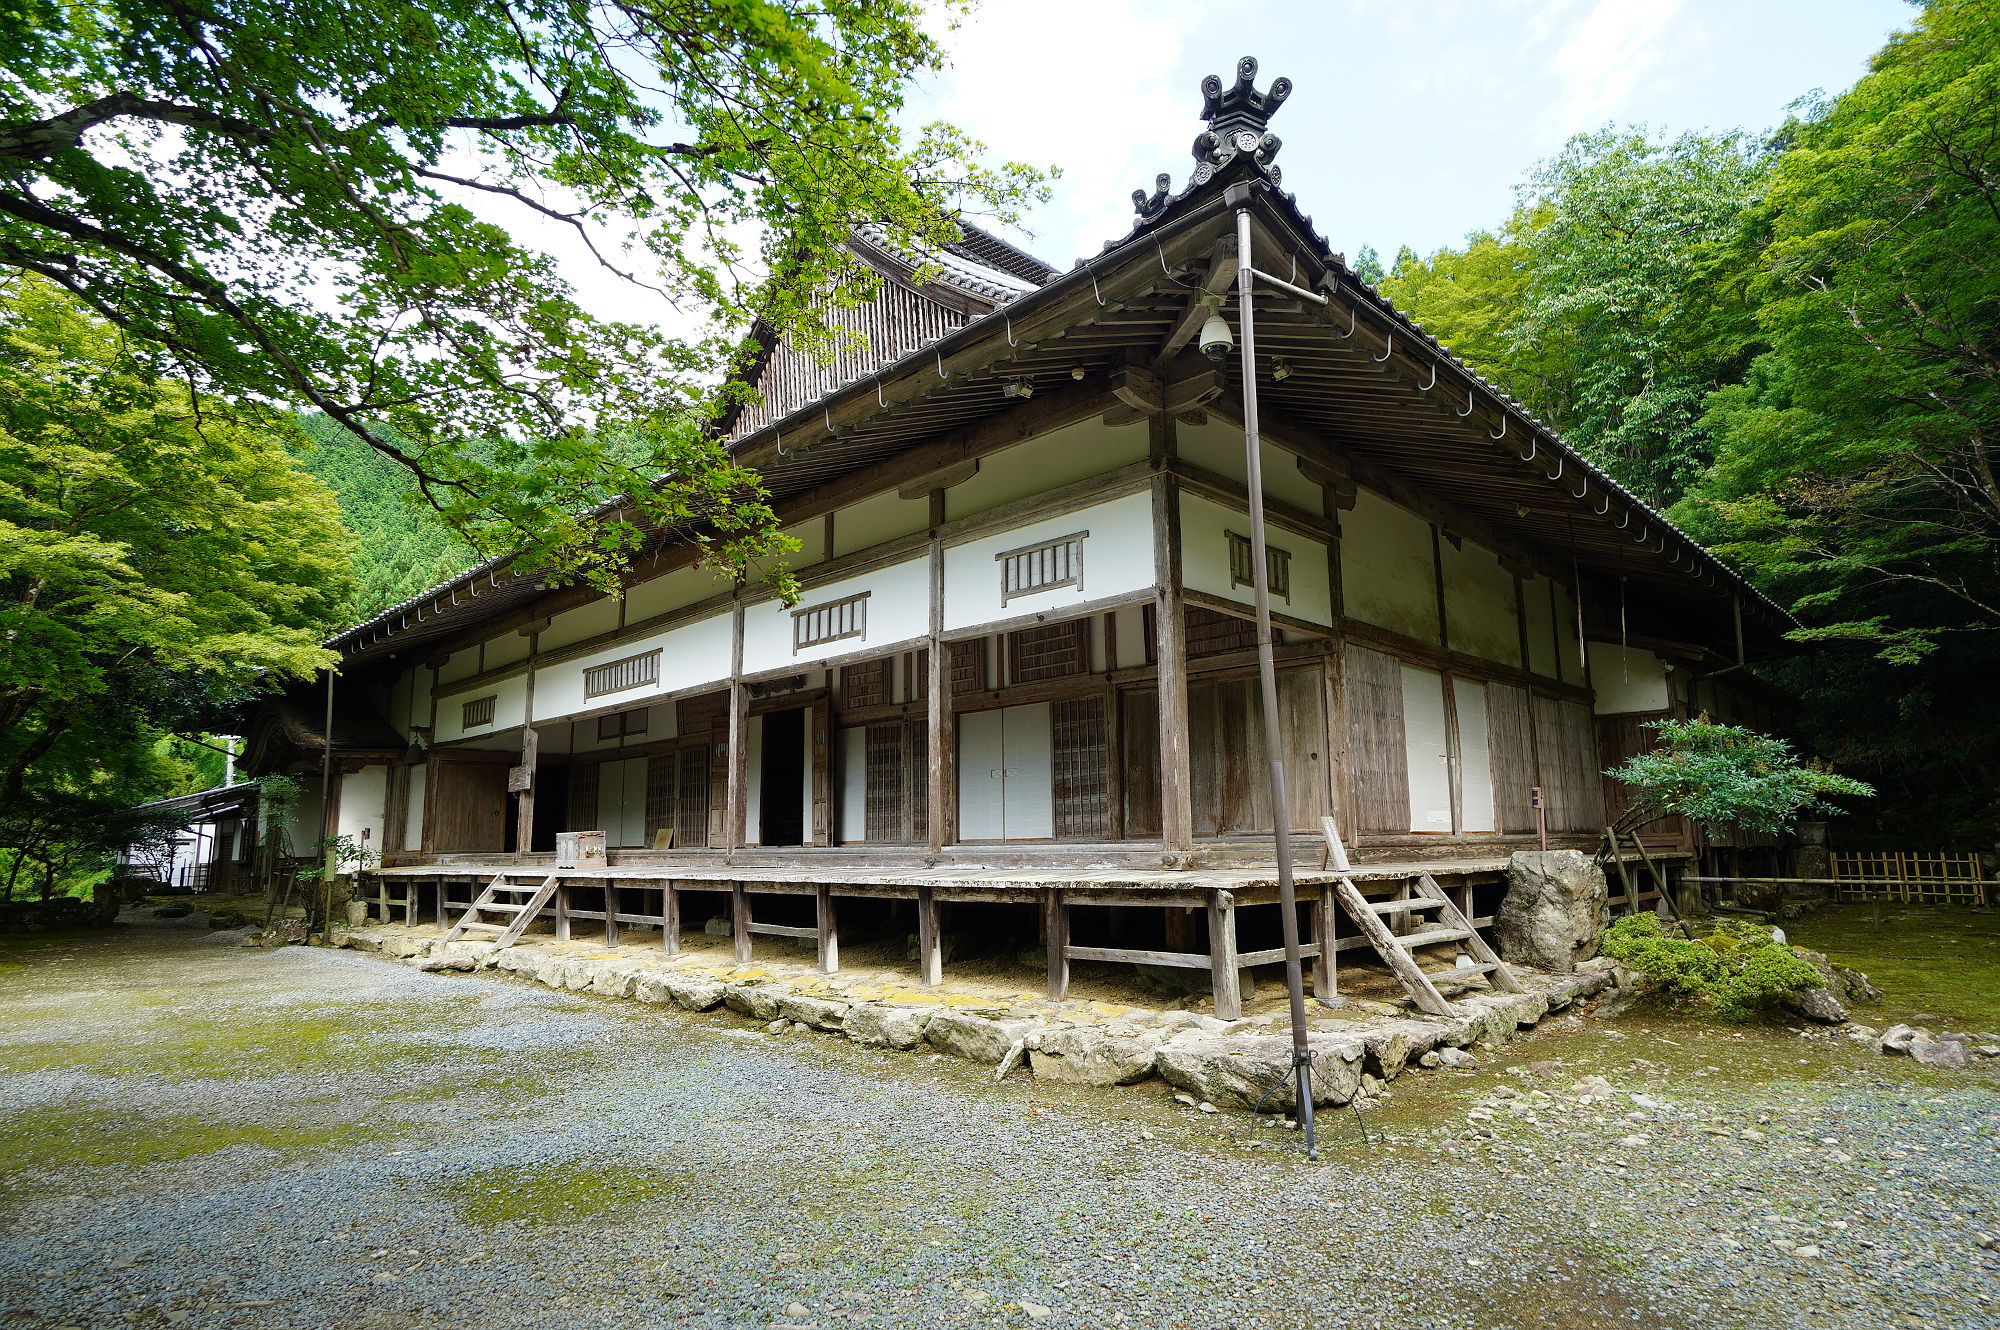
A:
[1236, 118]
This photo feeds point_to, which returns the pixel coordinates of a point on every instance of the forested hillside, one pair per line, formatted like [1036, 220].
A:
[401, 547]
[1791, 340]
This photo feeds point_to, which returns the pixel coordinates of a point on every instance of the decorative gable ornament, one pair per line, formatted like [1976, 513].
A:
[1236, 120]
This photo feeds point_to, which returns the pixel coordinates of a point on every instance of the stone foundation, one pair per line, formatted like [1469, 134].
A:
[1355, 1048]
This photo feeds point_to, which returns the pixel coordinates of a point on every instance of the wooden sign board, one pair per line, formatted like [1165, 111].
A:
[520, 779]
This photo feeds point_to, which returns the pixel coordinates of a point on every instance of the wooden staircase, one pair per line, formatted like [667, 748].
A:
[1473, 958]
[518, 913]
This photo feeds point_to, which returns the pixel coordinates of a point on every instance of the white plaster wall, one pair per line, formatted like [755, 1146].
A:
[413, 813]
[363, 796]
[1536, 604]
[462, 664]
[510, 708]
[1040, 464]
[691, 655]
[505, 649]
[573, 626]
[1626, 679]
[898, 609]
[1386, 567]
[1128, 629]
[1218, 446]
[851, 761]
[1117, 558]
[1479, 606]
[866, 524]
[669, 592]
[1205, 560]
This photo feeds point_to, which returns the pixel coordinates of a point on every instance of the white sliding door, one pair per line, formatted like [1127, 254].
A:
[1427, 747]
[1475, 757]
[1006, 774]
[853, 759]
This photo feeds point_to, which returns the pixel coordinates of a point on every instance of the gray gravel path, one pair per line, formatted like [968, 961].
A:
[197, 1136]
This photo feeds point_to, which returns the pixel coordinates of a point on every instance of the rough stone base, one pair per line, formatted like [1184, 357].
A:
[1225, 1063]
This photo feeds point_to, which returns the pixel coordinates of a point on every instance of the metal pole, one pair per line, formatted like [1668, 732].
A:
[326, 829]
[1267, 671]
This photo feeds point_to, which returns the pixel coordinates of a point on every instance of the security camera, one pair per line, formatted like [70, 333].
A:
[1216, 340]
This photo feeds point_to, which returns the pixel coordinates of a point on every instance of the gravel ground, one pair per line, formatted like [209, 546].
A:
[199, 1136]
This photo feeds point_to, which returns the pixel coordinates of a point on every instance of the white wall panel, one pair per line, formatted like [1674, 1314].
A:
[573, 626]
[1386, 567]
[510, 708]
[1475, 757]
[691, 656]
[1626, 679]
[1117, 558]
[1075, 453]
[1218, 446]
[899, 600]
[1205, 560]
[753, 784]
[851, 757]
[363, 797]
[671, 591]
[1479, 605]
[1028, 789]
[1424, 742]
[982, 762]
[869, 523]
[1539, 607]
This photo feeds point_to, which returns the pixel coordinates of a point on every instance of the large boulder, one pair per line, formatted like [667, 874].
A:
[1554, 911]
[1237, 1069]
[1817, 1004]
[977, 1038]
[1095, 1055]
[818, 1012]
[696, 992]
[753, 998]
[883, 1026]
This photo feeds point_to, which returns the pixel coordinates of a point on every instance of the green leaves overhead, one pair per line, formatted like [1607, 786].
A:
[152, 550]
[294, 203]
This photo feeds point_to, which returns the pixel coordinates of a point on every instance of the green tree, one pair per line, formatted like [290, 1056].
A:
[1857, 473]
[1725, 777]
[155, 552]
[281, 196]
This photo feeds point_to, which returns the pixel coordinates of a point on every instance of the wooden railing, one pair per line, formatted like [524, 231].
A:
[1916, 877]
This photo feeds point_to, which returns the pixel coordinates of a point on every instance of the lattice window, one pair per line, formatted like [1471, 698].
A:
[662, 798]
[620, 724]
[691, 811]
[1242, 573]
[476, 712]
[866, 684]
[618, 675]
[1043, 567]
[1049, 651]
[817, 625]
[583, 797]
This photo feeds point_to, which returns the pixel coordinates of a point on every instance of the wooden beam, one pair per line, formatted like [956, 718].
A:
[941, 479]
[1170, 653]
[940, 736]
[1326, 975]
[827, 933]
[736, 782]
[739, 919]
[670, 918]
[1055, 920]
[930, 968]
[1222, 264]
[1140, 388]
[1225, 978]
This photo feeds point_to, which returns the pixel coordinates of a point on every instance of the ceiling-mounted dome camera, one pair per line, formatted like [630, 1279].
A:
[1216, 339]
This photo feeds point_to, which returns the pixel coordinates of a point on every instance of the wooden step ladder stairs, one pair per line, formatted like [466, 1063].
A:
[489, 902]
[1399, 950]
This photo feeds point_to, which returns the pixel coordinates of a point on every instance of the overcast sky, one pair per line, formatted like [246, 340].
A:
[1409, 123]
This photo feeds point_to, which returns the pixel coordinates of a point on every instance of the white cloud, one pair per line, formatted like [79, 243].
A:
[1607, 56]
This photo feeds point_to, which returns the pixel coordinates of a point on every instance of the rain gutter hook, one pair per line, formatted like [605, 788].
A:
[1468, 405]
[1388, 350]
[1503, 427]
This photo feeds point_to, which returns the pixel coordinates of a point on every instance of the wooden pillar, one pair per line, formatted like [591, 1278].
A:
[670, 918]
[735, 799]
[562, 911]
[829, 933]
[941, 787]
[524, 802]
[1224, 978]
[739, 913]
[1170, 655]
[1179, 929]
[610, 913]
[440, 902]
[1326, 965]
[819, 725]
[930, 967]
[1055, 919]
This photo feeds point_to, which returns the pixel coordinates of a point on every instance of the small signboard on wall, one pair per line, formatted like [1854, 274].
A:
[520, 779]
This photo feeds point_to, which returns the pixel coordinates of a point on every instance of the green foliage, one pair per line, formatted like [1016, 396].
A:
[1724, 776]
[1613, 301]
[157, 555]
[288, 202]
[1737, 970]
[346, 854]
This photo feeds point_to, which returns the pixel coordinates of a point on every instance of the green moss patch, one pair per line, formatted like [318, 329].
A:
[1925, 959]
[557, 1195]
[59, 1139]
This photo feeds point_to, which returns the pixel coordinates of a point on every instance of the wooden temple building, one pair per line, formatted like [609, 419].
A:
[1019, 688]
